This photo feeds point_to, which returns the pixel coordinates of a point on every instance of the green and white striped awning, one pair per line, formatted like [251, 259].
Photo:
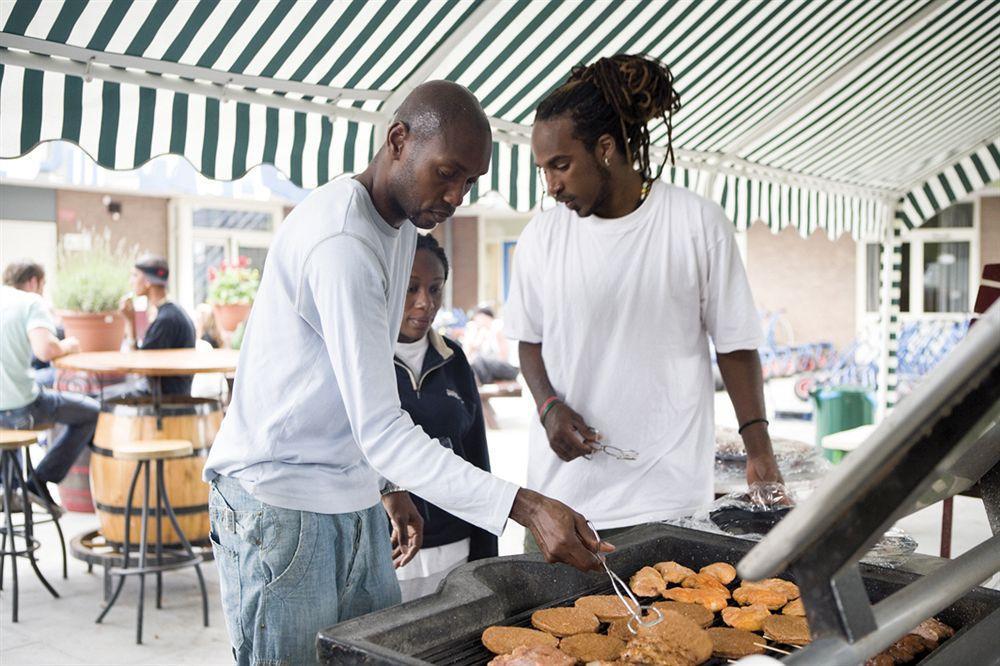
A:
[969, 174]
[800, 113]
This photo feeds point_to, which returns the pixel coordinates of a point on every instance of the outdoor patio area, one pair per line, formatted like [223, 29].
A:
[63, 632]
[368, 327]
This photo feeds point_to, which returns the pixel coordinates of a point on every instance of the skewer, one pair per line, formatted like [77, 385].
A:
[768, 647]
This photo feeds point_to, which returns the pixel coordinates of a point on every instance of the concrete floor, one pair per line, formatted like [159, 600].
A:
[62, 631]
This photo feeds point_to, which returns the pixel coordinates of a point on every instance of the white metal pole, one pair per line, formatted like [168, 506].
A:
[888, 310]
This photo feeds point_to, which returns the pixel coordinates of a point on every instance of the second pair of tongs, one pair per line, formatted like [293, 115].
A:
[611, 450]
[625, 595]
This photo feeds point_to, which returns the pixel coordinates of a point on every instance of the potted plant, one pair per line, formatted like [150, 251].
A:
[231, 290]
[89, 286]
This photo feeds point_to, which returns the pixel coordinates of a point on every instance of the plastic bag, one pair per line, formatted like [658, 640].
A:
[892, 550]
[801, 464]
[752, 513]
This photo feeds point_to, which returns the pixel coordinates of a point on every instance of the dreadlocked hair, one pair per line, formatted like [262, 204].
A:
[619, 96]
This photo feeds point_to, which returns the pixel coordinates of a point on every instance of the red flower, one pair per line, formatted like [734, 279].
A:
[211, 273]
[244, 262]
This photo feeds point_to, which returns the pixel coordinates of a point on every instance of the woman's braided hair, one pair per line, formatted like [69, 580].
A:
[429, 243]
[619, 96]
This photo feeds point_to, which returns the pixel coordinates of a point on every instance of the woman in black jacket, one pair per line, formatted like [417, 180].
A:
[438, 389]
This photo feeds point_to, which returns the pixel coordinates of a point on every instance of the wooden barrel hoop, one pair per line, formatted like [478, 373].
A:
[196, 420]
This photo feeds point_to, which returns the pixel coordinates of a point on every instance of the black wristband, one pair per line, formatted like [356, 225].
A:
[750, 423]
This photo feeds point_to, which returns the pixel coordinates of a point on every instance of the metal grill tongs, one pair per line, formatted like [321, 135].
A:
[624, 594]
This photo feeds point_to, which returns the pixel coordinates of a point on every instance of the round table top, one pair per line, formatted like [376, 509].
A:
[159, 362]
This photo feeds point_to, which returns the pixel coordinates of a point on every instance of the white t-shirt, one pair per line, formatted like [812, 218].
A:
[20, 313]
[622, 308]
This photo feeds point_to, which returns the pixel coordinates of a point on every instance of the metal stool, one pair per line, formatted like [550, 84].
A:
[53, 515]
[11, 441]
[145, 452]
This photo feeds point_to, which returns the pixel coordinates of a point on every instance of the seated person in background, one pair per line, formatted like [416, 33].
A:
[45, 373]
[206, 329]
[26, 327]
[487, 348]
[171, 327]
[438, 390]
[29, 276]
[207, 384]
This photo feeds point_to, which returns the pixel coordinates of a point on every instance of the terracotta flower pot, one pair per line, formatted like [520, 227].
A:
[228, 317]
[100, 331]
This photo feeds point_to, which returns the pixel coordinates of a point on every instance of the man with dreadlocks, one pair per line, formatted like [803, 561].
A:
[614, 294]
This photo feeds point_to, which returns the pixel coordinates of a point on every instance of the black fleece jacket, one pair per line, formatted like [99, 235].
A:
[444, 400]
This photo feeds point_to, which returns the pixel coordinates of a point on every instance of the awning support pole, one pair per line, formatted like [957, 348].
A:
[888, 338]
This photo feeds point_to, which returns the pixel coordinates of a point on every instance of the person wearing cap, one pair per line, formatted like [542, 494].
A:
[26, 327]
[170, 327]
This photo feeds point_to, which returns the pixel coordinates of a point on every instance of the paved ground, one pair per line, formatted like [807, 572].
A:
[63, 631]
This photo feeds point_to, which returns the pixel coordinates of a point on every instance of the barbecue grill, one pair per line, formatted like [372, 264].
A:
[936, 444]
[445, 628]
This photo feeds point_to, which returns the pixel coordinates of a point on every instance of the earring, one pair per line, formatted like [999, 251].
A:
[607, 162]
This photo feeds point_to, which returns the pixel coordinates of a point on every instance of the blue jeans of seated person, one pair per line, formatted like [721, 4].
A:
[78, 412]
[285, 575]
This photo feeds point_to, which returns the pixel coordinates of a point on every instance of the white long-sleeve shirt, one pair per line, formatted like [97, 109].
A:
[315, 416]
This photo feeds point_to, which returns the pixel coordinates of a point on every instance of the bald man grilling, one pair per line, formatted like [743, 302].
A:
[315, 449]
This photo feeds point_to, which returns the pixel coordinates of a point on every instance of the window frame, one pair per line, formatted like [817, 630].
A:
[918, 237]
[184, 234]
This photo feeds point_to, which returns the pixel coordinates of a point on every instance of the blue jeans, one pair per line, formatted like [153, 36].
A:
[74, 410]
[285, 574]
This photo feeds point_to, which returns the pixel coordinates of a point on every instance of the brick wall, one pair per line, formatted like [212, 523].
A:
[143, 220]
[812, 280]
[464, 262]
[989, 231]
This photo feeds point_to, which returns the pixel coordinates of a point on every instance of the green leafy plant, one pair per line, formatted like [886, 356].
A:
[237, 340]
[93, 280]
[233, 283]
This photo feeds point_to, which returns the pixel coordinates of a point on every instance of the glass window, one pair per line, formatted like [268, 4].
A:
[946, 277]
[257, 255]
[953, 217]
[247, 220]
[206, 254]
[873, 262]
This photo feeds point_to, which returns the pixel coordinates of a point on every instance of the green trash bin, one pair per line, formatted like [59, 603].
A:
[838, 409]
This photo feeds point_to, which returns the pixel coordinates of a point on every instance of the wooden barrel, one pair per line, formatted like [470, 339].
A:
[126, 420]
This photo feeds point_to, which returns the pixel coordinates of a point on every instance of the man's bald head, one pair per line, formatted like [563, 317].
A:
[438, 144]
[438, 107]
